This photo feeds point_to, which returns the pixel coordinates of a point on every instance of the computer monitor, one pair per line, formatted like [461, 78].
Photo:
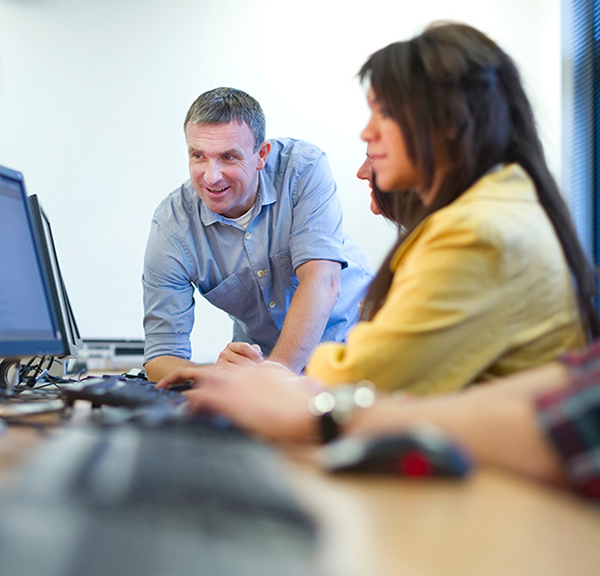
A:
[67, 325]
[28, 322]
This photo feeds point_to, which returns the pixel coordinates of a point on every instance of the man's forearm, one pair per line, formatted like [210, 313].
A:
[162, 366]
[299, 337]
[308, 314]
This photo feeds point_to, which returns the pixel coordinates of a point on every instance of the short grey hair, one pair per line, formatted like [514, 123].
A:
[224, 105]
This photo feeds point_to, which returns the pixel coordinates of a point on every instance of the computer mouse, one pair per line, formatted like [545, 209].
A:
[422, 451]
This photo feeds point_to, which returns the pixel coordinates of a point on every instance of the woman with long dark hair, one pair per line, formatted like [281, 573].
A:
[487, 277]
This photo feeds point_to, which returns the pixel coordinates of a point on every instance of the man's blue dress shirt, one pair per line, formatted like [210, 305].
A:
[249, 273]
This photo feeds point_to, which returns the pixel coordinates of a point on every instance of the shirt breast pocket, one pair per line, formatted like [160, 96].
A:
[283, 270]
[233, 297]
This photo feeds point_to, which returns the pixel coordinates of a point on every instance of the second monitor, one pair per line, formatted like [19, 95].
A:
[71, 338]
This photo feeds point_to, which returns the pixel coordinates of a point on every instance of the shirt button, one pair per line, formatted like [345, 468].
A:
[248, 235]
[272, 304]
[260, 273]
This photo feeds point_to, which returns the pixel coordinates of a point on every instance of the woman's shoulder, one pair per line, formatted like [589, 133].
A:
[503, 184]
[500, 209]
[499, 196]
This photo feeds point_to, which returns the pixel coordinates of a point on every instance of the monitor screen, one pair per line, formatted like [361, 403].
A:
[28, 325]
[66, 320]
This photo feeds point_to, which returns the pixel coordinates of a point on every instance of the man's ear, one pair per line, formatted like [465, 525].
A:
[263, 154]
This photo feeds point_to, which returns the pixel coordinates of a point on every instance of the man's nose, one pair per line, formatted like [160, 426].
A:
[213, 173]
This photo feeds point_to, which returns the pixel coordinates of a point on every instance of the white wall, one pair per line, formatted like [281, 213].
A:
[93, 96]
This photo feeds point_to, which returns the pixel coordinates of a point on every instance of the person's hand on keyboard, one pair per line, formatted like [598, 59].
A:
[195, 377]
[267, 399]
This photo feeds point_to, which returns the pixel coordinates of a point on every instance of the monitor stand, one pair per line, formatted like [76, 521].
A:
[9, 376]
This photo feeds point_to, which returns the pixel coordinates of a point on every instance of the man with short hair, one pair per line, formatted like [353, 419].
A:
[257, 230]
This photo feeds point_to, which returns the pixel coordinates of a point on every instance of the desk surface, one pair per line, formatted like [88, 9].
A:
[492, 524]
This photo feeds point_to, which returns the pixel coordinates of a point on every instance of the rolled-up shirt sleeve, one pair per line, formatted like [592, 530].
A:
[570, 418]
[317, 231]
[168, 297]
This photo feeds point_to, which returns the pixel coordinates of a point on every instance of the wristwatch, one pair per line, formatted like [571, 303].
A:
[335, 407]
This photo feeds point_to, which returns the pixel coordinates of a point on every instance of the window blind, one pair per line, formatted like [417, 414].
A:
[583, 36]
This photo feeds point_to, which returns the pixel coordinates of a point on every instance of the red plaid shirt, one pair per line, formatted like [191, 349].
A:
[571, 419]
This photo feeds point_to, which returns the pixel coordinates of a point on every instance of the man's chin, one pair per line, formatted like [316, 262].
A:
[217, 203]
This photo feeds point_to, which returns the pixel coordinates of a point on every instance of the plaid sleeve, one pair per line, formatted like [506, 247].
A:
[570, 417]
[584, 361]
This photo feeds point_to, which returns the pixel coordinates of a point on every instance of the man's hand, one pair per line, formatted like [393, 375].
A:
[240, 354]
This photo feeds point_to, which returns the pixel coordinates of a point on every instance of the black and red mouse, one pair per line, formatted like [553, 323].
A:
[420, 452]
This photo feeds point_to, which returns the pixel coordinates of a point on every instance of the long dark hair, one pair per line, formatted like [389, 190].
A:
[397, 207]
[453, 89]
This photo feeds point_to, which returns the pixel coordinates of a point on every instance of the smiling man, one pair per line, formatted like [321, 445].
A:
[257, 230]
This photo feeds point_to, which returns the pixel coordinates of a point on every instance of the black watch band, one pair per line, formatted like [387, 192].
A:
[329, 428]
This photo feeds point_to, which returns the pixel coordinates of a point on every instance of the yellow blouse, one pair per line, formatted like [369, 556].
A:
[480, 289]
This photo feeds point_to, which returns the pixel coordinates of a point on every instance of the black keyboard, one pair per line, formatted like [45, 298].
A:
[175, 500]
[120, 391]
[143, 401]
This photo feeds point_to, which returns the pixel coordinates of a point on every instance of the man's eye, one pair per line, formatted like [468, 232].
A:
[229, 157]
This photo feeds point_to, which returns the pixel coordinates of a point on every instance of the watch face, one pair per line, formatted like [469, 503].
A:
[335, 407]
[322, 403]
